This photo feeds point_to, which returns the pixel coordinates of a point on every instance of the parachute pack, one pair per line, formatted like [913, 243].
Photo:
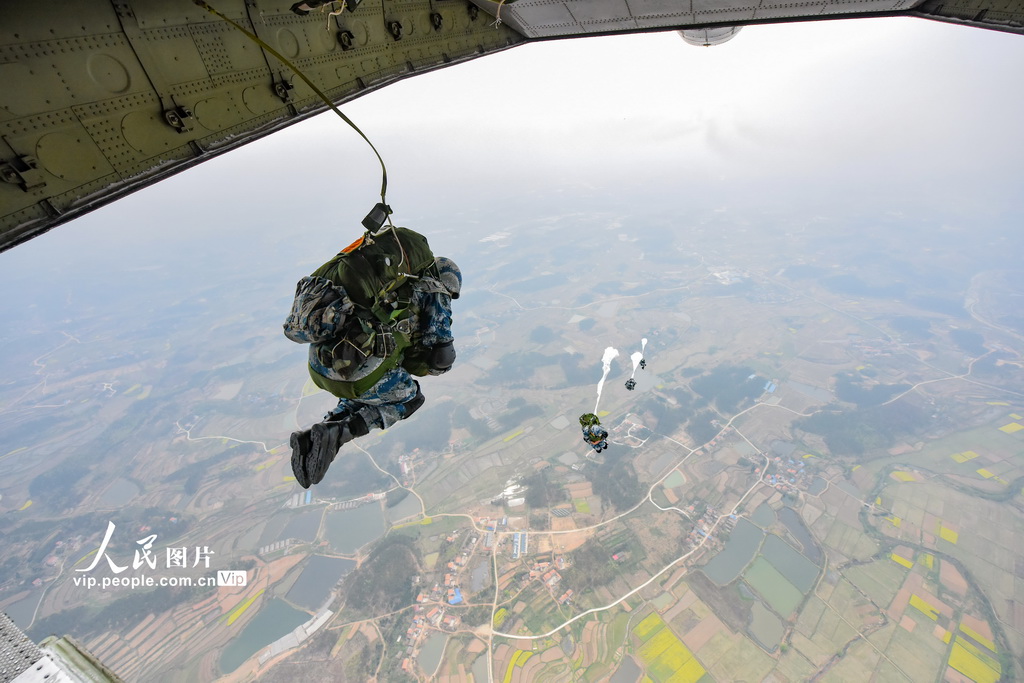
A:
[357, 306]
[374, 270]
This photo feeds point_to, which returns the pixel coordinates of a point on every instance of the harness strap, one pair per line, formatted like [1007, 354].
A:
[357, 388]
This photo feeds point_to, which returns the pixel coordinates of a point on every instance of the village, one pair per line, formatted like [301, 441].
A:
[447, 586]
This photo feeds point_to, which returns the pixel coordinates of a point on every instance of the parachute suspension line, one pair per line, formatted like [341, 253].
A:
[334, 13]
[281, 58]
[341, 9]
[400, 247]
[394, 233]
[497, 14]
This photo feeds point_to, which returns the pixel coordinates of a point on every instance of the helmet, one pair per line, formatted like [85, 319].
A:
[450, 275]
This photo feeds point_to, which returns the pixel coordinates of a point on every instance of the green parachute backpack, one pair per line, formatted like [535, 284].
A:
[375, 271]
[374, 268]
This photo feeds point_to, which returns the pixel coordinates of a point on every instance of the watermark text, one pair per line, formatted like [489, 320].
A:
[230, 577]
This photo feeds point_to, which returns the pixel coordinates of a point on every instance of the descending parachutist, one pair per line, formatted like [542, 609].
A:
[638, 361]
[630, 384]
[593, 433]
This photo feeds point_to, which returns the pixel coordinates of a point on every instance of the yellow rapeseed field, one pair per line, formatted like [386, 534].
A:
[924, 606]
[899, 559]
[972, 666]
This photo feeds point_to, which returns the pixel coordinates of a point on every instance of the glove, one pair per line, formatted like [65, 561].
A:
[442, 357]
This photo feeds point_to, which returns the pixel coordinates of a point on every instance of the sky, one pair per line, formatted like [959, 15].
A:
[881, 107]
[908, 114]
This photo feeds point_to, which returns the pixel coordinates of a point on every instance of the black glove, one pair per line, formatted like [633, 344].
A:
[442, 357]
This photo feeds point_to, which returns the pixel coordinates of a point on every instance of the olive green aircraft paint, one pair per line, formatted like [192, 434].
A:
[100, 98]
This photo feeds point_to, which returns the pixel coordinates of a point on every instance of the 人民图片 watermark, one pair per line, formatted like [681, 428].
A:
[174, 558]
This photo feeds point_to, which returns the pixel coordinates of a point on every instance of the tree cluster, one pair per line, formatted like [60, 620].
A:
[541, 492]
[592, 567]
[384, 582]
[850, 390]
[862, 431]
[615, 481]
[729, 387]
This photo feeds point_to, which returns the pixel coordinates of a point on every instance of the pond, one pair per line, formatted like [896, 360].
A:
[303, 526]
[797, 569]
[818, 486]
[287, 524]
[272, 528]
[739, 550]
[275, 620]
[407, 507]
[772, 586]
[796, 526]
[629, 672]
[765, 627]
[763, 516]
[479, 668]
[317, 579]
[674, 479]
[431, 652]
[350, 530]
[660, 462]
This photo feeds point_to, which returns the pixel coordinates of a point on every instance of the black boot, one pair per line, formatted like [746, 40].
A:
[328, 438]
[302, 444]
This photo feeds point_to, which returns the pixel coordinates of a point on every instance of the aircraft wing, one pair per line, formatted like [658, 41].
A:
[102, 98]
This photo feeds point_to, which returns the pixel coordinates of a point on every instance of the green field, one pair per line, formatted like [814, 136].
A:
[880, 580]
[987, 442]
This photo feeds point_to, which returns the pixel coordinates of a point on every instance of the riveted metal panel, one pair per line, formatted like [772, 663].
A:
[152, 14]
[33, 127]
[663, 20]
[71, 155]
[661, 8]
[80, 195]
[67, 71]
[224, 50]
[585, 11]
[26, 90]
[540, 14]
[103, 123]
[259, 99]
[858, 6]
[1006, 15]
[724, 5]
[725, 15]
[28, 22]
[788, 9]
[181, 60]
